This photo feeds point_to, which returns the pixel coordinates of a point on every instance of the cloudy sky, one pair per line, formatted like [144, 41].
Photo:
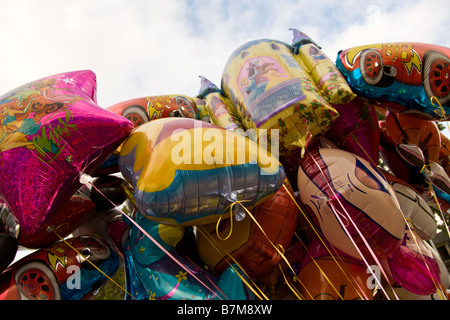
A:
[140, 48]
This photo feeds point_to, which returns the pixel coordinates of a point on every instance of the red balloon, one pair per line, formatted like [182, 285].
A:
[356, 129]
[71, 215]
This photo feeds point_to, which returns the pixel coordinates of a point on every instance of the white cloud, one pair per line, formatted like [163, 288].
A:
[140, 48]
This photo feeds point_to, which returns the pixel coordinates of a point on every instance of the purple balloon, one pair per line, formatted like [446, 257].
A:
[51, 130]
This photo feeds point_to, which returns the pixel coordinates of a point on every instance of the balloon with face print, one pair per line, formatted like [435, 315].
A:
[51, 130]
[351, 202]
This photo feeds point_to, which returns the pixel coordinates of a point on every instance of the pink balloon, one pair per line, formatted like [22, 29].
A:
[51, 130]
[414, 268]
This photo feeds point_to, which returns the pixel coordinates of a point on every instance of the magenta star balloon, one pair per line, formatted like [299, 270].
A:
[51, 130]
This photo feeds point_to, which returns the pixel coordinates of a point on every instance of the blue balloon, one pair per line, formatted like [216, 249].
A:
[152, 274]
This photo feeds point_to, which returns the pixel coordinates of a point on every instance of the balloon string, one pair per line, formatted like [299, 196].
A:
[90, 262]
[85, 177]
[215, 246]
[315, 230]
[357, 230]
[363, 149]
[293, 289]
[406, 219]
[419, 247]
[362, 256]
[207, 278]
[430, 188]
[280, 253]
[279, 249]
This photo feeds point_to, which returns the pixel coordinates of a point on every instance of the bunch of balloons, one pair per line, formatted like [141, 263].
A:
[299, 178]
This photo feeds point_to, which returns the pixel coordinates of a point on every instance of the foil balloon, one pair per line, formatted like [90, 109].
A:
[356, 130]
[414, 207]
[219, 108]
[251, 242]
[407, 77]
[351, 202]
[153, 274]
[8, 250]
[188, 172]
[401, 130]
[417, 142]
[270, 91]
[65, 220]
[326, 275]
[59, 272]
[141, 110]
[413, 266]
[322, 70]
[51, 130]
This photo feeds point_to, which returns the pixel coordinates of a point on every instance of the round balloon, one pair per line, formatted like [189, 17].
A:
[346, 197]
[405, 76]
[417, 142]
[51, 130]
[188, 172]
[401, 129]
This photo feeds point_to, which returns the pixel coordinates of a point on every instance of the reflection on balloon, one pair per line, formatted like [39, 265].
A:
[51, 130]
[188, 172]
[152, 274]
[405, 76]
[350, 201]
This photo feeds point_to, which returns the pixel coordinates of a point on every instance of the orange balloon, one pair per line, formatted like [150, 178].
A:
[327, 277]
[247, 242]
[404, 129]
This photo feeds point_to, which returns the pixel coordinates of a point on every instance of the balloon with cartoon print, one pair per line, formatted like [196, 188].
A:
[417, 142]
[408, 77]
[153, 274]
[414, 207]
[350, 202]
[271, 88]
[49, 273]
[51, 130]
